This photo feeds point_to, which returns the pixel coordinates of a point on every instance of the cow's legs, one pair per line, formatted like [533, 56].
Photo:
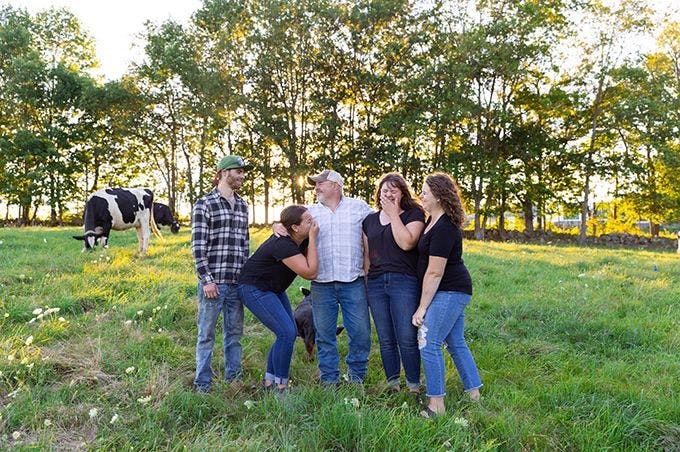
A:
[141, 246]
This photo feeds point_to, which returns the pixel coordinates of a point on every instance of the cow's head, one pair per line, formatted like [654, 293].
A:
[91, 238]
[174, 227]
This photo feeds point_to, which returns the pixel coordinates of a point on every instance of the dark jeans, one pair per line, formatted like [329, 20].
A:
[274, 311]
[393, 298]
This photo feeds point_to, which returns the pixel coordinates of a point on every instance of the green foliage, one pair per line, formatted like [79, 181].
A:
[577, 349]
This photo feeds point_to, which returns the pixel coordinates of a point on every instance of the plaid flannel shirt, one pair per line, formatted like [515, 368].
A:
[220, 241]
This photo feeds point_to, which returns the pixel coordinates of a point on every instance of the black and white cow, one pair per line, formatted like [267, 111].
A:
[163, 217]
[118, 209]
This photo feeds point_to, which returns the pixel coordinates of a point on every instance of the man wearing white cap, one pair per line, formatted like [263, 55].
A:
[340, 279]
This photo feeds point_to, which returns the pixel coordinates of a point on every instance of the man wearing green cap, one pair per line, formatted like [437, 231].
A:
[220, 246]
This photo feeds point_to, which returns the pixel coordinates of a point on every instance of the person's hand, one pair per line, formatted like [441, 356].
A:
[418, 316]
[279, 230]
[314, 229]
[389, 206]
[211, 290]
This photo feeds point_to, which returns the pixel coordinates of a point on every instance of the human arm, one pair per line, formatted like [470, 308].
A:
[200, 232]
[306, 265]
[431, 280]
[367, 259]
[405, 235]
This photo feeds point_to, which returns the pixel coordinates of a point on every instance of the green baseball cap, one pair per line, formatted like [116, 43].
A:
[232, 162]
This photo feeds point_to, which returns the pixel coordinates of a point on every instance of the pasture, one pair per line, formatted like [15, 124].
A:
[578, 348]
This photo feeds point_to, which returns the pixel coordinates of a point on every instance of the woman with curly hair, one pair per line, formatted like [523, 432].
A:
[446, 291]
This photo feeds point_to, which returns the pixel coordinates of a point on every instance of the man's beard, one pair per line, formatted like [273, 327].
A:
[320, 198]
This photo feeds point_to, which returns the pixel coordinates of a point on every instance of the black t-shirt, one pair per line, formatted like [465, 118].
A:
[265, 269]
[383, 251]
[445, 239]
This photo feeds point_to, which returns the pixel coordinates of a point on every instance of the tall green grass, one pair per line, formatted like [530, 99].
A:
[578, 348]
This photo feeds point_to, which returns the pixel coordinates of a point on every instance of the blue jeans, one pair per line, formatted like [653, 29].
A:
[351, 297]
[274, 311]
[393, 298]
[443, 322]
[209, 309]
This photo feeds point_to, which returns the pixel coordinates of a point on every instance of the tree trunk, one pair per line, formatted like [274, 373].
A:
[528, 211]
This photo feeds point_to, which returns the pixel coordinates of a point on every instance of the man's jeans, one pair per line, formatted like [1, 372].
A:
[351, 297]
[274, 311]
[393, 298]
[209, 309]
[444, 322]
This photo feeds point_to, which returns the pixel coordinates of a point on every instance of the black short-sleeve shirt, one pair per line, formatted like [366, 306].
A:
[383, 251]
[445, 239]
[265, 269]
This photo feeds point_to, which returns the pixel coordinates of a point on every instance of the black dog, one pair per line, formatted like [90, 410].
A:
[305, 322]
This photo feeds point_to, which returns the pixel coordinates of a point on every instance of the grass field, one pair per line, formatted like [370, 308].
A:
[578, 349]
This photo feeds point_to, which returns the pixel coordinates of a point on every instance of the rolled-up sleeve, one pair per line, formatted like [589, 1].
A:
[199, 241]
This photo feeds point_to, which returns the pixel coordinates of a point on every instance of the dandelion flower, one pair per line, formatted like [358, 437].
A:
[29, 340]
[461, 421]
[249, 404]
[144, 400]
[93, 413]
[130, 369]
[16, 435]
[37, 311]
[47, 423]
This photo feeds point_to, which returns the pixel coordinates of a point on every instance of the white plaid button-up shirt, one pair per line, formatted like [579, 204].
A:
[340, 245]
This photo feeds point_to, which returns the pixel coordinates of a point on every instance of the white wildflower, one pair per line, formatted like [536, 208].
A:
[461, 421]
[37, 311]
[353, 401]
[140, 312]
[114, 418]
[6, 314]
[144, 400]
[29, 340]
[61, 319]
[93, 413]
[127, 322]
[47, 423]
[160, 330]
[30, 366]
[129, 370]
[16, 435]
[249, 404]
[22, 276]
[10, 357]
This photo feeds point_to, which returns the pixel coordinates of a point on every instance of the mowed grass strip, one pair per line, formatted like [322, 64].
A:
[578, 348]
